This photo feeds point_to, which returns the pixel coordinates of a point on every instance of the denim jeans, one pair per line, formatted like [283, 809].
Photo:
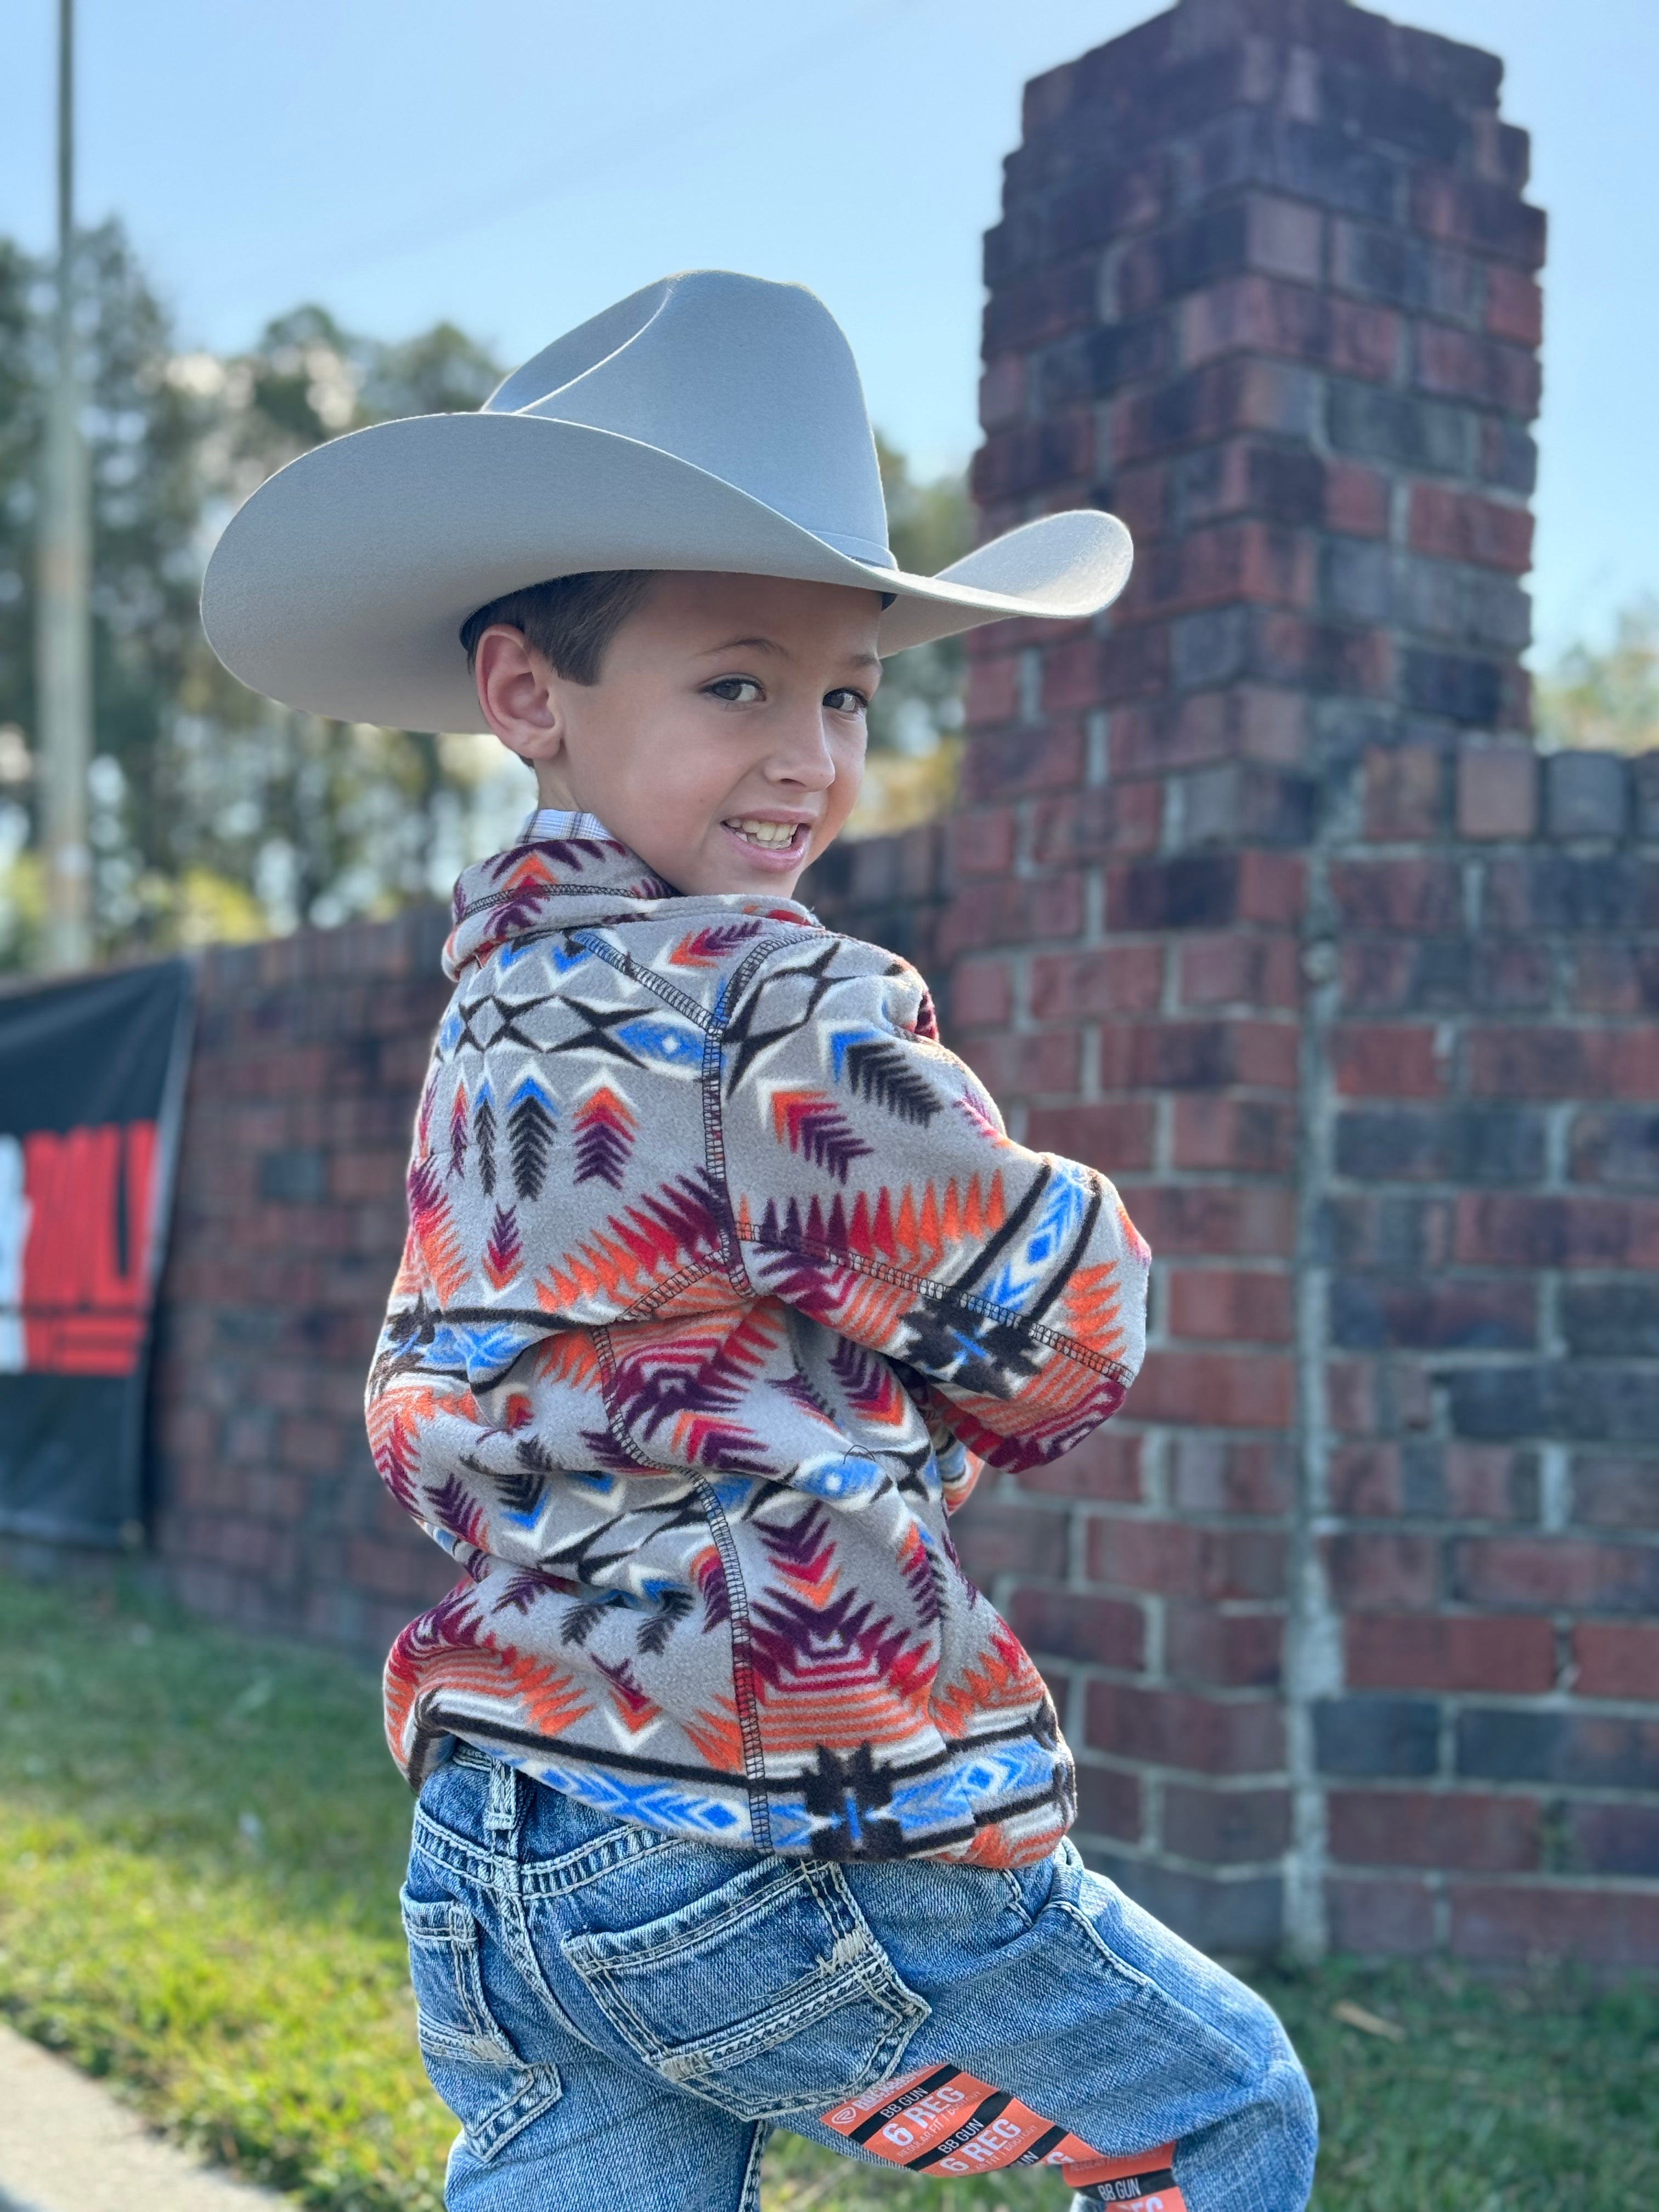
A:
[618, 2016]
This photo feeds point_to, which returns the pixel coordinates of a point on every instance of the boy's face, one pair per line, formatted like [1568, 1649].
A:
[724, 740]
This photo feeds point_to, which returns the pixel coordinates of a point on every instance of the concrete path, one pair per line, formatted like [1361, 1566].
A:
[67, 2146]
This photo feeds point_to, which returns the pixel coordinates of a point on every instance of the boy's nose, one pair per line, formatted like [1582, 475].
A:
[802, 754]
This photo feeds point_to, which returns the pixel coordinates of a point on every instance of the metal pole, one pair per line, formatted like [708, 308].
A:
[63, 623]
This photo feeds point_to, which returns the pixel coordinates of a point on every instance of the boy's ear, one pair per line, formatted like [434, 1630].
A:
[518, 694]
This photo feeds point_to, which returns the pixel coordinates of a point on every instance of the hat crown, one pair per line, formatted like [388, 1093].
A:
[753, 381]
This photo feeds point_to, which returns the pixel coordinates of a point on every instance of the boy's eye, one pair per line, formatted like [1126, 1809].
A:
[846, 702]
[735, 690]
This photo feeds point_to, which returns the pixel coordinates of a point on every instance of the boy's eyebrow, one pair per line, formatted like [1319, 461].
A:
[771, 645]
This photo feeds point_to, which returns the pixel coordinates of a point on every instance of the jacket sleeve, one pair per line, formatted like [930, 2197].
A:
[874, 1188]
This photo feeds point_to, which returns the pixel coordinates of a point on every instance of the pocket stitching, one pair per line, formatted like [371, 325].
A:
[603, 1959]
[448, 1926]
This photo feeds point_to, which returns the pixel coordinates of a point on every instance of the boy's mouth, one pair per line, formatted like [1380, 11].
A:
[782, 838]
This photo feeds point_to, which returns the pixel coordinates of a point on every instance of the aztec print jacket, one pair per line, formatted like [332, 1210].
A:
[722, 1280]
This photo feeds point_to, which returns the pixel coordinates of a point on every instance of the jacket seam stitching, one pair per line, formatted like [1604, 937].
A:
[943, 1294]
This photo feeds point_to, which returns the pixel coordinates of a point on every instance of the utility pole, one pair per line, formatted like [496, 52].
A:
[63, 657]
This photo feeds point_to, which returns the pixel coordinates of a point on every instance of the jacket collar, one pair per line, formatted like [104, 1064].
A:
[567, 870]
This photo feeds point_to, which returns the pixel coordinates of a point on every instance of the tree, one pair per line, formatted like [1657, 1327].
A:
[213, 813]
[1606, 701]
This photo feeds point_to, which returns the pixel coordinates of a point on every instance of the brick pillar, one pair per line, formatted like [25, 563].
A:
[1263, 285]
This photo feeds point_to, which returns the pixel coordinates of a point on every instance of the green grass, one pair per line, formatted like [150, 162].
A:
[201, 1841]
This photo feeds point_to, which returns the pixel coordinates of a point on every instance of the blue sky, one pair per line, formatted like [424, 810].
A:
[517, 168]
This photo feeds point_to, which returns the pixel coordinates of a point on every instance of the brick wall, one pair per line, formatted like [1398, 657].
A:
[287, 1230]
[1259, 898]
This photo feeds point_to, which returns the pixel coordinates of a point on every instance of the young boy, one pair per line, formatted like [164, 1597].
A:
[739, 1806]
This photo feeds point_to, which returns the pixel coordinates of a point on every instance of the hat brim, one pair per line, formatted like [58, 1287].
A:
[341, 586]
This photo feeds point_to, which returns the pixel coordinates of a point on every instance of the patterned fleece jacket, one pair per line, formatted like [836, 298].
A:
[722, 1282]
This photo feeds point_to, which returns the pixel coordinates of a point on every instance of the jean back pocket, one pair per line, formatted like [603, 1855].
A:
[469, 2058]
[768, 1996]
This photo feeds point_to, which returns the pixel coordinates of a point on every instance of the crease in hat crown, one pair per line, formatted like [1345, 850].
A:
[709, 421]
[727, 372]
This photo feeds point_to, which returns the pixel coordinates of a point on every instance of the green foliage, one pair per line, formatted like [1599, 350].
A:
[213, 812]
[1606, 701]
[200, 1845]
[929, 526]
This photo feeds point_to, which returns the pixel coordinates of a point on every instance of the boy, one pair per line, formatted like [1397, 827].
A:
[739, 1806]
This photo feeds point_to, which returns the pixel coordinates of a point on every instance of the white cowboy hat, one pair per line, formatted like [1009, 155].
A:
[711, 421]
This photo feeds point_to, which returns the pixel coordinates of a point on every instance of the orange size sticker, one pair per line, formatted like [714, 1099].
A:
[940, 2120]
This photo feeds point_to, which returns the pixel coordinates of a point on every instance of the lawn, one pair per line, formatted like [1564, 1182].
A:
[201, 1839]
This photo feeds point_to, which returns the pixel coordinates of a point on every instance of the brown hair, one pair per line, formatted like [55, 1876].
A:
[570, 620]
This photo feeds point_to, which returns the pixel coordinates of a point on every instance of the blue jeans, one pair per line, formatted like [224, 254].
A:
[618, 2017]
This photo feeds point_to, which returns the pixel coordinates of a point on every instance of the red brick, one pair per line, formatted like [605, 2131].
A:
[1364, 1480]
[998, 1537]
[1486, 1482]
[1560, 1062]
[1100, 1632]
[1225, 562]
[1356, 500]
[1461, 525]
[1470, 211]
[1515, 305]
[993, 690]
[1374, 1573]
[1104, 1467]
[1514, 1925]
[1216, 1220]
[1245, 721]
[1109, 980]
[1225, 1827]
[1231, 1650]
[1108, 1802]
[1466, 1830]
[1087, 825]
[1011, 912]
[1398, 1061]
[1380, 1920]
[982, 992]
[1044, 305]
[1229, 1474]
[1221, 1304]
[1002, 390]
[1265, 315]
[1615, 1838]
[1113, 1138]
[1417, 895]
[1175, 1055]
[1351, 1394]
[1216, 1390]
[1545, 1231]
[1023, 1064]
[1271, 888]
[1016, 762]
[983, 844]
[1252, 1136]
[1404, 791]
[1175, 1559]
[1616, 1493]
[1452, 1652]
[1616, 1659]
[1555, 1571]
[1173, 1728]
[1467, 367]
[1255, 970]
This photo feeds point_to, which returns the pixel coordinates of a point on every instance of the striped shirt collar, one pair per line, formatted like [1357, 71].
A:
[551, 822]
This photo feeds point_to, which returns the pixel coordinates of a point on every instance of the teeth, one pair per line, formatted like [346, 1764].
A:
[775, 834]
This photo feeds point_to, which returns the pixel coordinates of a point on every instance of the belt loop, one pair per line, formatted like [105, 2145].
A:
[501, 1806]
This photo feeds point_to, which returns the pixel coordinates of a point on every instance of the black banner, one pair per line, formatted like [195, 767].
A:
[91, 1079]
